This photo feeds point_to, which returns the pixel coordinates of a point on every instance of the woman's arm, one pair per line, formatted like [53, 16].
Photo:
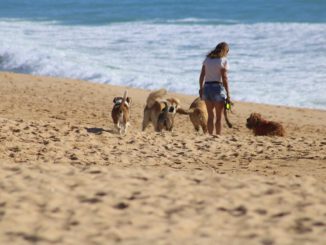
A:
[201, 81]
[226, 83]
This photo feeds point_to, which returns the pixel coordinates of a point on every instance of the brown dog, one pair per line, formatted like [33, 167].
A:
[197, 113]
[160, 112]
[120, 113]
[262, 127]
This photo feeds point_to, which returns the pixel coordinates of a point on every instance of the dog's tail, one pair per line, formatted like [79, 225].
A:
[153, 96]
[193, 112]
[184, 112]
[124, 97]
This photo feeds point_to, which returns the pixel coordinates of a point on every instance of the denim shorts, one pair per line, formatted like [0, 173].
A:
[214, 92]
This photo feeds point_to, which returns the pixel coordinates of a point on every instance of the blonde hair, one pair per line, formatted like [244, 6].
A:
[220, 51]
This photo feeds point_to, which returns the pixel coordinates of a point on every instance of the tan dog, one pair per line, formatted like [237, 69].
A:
[197, 113]
[120, 113]
[262, 127]
[199, 116]
[160, 112]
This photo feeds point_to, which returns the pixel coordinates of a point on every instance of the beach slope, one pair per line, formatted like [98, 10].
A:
[66, 177]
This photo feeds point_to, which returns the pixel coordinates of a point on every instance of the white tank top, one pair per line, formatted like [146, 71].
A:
[213, 68]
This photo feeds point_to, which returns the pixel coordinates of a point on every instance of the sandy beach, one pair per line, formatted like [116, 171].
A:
[67, 178]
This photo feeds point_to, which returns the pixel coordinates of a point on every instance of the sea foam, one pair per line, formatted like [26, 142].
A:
[273, 63]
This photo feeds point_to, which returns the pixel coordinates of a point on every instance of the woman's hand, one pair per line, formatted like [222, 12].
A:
[228, 98]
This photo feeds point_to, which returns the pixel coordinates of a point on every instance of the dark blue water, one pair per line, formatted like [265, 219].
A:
[100, 12]
[277, 47]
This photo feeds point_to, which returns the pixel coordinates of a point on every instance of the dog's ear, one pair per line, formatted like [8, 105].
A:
[255, 118]
[128, 99]
[115, 100]
[172, 109]
[177, 103]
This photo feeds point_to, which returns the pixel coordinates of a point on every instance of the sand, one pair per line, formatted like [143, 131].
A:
[66, 177]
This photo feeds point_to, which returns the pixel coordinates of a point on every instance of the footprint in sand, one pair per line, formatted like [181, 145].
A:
[89, 200]
[2, 212]
[301, 226]
[236, 212]
[280, 214]
[72, 156]
[100, 194]
[267, 241]
[121, 205]
[261, 211]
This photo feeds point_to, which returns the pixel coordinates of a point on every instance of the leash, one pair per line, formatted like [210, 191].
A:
[227, 107]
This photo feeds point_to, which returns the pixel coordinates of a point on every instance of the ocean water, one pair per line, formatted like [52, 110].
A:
[277, 48]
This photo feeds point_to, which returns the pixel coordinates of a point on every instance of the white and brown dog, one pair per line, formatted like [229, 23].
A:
[121, 112]
[160, 112]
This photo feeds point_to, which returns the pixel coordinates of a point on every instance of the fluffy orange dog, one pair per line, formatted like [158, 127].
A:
[262, 127]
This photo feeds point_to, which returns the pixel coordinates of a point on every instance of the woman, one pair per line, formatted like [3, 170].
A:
[213, 84]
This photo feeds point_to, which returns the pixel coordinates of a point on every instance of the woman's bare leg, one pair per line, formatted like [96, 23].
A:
[219, 107]
[210, 121]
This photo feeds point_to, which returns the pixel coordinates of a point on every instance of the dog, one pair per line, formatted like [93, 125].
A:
[120, 113]
[199, 116]
[262, 127]
[197, 113]
[160, 112]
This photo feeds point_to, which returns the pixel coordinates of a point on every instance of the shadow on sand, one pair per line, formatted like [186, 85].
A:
[99, 130]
